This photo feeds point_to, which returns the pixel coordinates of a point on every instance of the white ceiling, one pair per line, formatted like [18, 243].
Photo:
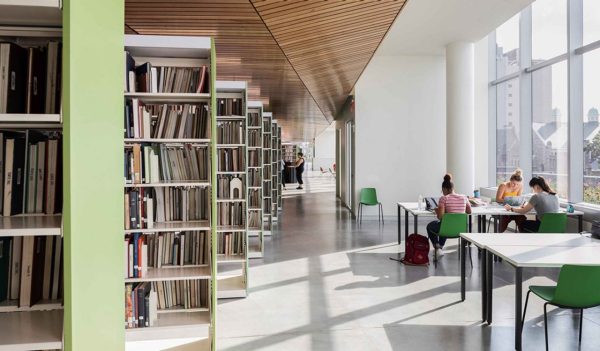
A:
[425, 27]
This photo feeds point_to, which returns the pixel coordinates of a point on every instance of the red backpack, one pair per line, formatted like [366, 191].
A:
[416, 250]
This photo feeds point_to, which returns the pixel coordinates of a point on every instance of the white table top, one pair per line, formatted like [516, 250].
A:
[489, 210]
[547, 256]
[483, 240]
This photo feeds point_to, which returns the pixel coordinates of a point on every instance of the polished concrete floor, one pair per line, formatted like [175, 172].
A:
[327, 284]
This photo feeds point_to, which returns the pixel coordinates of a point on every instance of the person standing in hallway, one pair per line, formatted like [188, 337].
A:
[450, 202]
[282, 165]
[300, 170]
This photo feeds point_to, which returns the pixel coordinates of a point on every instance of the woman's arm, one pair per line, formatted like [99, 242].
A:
[468, 207]
[521, 210]
[440, 210]
[500, 193]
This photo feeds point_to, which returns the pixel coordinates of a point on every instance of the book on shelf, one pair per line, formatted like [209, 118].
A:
[30, 78]
[254, 198]
[254, 220]
[254, 158]
[31, 170]
[144, 207]
[254, 138]
[231, 244]
[30, 269]
[166, 121]
[160, 250]
[254, 119]
[230, 132]
[229, 187]
[231, 160]
[147, 78]
[230, 107]
[254, 177]
[155, 163]
[144, 301]
[230, 214]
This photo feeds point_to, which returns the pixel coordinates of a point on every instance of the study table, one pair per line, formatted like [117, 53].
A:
[525, 251]
[481, 212]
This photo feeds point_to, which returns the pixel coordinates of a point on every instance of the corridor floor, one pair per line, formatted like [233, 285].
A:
[327, 284]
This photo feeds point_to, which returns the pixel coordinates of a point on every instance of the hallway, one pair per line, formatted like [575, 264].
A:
[327, 284]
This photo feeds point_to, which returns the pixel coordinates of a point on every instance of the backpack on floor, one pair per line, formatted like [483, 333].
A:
[416, 250]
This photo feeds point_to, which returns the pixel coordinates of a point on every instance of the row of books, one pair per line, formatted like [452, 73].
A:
[164, 249]
[254, 119]
[254, 219]
[30, 172]
[267, 171]
[230, 187]
[156, 163]
[254, 158]
[266, 126]
[143, 301]
[145, 207]
[33, 84]
[147, 78]
[230, 213]
[167, 121]
[31, 269]
[254, 138]
[231, 160]
[254, 198]
[230, 107]
[230, 132]
[254, 177]
[230, 244]
[267, 205]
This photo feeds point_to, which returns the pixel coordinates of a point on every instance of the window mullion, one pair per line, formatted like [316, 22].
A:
[525, 99]
[575, 82]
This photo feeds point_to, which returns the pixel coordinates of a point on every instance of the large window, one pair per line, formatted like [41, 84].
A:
[591, 129]
[548, 29]
[552, 85]
[507, 47]
[507, 129]
[550, 128]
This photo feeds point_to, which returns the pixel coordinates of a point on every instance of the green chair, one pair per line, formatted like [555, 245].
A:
[452, 225]
[368, 197]
[553, 223]
[578, 288]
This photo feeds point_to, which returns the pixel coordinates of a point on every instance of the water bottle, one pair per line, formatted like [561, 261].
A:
[420, 202]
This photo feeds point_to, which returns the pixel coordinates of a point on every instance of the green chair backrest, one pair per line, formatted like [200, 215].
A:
[578, 287]
[553, 223]
[368, 196]
[453, 224]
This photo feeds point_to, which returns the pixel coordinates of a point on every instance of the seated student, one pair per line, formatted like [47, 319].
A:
[512, 188]
[544, 200]
[451, 202]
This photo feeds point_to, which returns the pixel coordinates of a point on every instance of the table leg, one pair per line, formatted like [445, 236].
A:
[470, 224]
[416, 223]
[484, 222]
[490, 284]
[399, 224]
[405, 225]
[484, 287]
[463, 245]
[518, 306]
[478, 224]
[580, 222]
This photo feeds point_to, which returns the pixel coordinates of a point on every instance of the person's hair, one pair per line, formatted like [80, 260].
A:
[541, 182]
[300, 154]
[517, 176]
[447, 183]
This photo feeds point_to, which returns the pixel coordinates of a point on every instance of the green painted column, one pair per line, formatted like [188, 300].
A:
[93, 174]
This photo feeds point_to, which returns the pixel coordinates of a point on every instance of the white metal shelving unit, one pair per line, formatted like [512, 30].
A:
[255, 180]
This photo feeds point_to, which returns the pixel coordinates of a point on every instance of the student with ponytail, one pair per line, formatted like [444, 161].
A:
[451, 202]
[512, 188]
[544, 200]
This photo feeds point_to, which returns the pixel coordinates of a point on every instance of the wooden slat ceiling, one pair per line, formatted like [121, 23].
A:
[301, 58]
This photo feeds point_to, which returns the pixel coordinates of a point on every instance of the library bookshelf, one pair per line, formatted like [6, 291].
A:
[232, 189]
[280, 174]
[275, 171]
[30, 233]
[255, 139]
[171, 193]
[267, 173]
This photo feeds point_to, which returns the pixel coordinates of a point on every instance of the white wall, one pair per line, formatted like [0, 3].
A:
[481, 114]
[400, 129]
[325, 149]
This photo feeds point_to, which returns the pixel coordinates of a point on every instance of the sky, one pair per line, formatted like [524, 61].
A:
[549, 39]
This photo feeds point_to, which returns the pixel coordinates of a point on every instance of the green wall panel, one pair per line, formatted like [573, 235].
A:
[93, 200]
